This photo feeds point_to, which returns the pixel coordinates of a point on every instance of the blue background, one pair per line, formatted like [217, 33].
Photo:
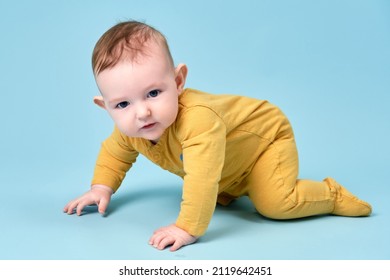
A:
[325, 63]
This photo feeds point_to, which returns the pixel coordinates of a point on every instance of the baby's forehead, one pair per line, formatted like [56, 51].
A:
[150, 52]
[142, 53]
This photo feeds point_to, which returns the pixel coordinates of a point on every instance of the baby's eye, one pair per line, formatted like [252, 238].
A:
[122, 105]
[154, 93]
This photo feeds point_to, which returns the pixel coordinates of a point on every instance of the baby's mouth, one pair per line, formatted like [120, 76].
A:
[148, 126]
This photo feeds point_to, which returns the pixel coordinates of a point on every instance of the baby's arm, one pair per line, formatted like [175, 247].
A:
[171, 235]
[114, 160]
[98, 194]
[203, 150]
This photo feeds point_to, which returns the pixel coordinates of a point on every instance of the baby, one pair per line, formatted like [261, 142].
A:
[223, 146]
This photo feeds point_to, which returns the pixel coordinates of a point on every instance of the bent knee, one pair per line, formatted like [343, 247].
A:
[275, 213]
[277, 210]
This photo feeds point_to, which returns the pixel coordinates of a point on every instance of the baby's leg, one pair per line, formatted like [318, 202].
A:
[276, 192]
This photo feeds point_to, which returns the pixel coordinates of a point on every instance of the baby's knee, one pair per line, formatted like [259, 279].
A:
[278, 210]
[274, 213]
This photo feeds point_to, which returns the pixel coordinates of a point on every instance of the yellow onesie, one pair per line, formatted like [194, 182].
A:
[223, 146]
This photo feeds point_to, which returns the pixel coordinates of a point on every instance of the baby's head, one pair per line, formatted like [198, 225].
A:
[137, 79]
[126, 41]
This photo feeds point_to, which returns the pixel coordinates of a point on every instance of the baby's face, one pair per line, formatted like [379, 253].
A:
[141, 97]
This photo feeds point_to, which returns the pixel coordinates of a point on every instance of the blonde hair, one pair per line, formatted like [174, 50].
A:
[125, 40]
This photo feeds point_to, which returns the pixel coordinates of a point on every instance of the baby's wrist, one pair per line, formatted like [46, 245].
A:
[102, 187]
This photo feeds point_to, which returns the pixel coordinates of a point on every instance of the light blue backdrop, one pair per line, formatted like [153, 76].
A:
[325, 63]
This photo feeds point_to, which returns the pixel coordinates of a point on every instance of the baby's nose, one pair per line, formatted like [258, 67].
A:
[143, 111]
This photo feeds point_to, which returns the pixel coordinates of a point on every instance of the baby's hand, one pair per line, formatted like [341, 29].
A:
[98, 194]
[171, 235]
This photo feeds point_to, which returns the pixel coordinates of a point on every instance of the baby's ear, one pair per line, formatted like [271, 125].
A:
[181, 75]
[98, 100]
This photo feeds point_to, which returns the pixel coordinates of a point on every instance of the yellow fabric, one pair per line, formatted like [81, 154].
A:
[213, 145]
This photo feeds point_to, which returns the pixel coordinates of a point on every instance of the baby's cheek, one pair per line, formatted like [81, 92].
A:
[128, 132]
[124, 128]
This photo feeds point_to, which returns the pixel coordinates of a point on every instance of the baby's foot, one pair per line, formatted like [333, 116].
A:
[346, 204]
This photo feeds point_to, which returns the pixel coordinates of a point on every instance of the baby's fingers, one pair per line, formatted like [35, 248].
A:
[70, 207]
[155, 239]
[177, 245]
[77, 205]
[166, 241]
[81, 205]
[161, 240]
[103, 204]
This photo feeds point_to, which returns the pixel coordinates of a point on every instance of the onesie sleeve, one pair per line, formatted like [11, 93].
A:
[203, 139]
[115, 158]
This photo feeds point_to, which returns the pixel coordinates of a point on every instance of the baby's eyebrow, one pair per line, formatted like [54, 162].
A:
[116, 100]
